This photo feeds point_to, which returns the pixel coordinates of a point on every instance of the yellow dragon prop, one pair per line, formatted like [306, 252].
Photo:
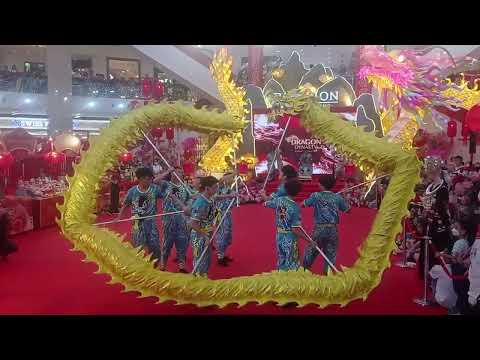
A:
[130, 267]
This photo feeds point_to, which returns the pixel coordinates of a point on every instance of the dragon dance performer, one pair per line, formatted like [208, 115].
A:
[175, 228]
[287, 173]
[287, 215]
[202, 223]
[326, 206]
[143, 200]
[224, 233]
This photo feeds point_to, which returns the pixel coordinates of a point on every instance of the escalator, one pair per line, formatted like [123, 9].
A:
[186, 64]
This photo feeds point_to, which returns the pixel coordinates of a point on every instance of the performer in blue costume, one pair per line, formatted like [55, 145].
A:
[143, 200]
[202, 223]
[175, 196]
[224, 233]
[326, 206]
[287, 215]
[286, 174]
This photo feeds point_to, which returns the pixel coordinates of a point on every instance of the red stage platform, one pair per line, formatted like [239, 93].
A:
[308, 187]
[44, 277]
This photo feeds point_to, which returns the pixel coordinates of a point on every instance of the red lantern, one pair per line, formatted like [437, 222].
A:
[452, 129]
[187, 154]
[6, 160]
[157, 132]
[54, 158]
[472, 119]
[243, 168]
[158, 90]
[170, 132]
[126, 157]
[147, 87]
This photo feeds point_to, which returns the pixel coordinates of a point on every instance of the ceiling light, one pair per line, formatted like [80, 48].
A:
[121, 106]
[91, 104]
[27, 101]
[65, 99]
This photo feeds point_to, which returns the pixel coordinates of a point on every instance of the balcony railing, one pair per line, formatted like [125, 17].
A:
[33, 83]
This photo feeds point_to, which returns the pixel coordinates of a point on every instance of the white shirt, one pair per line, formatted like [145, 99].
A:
[444, 292]
[460, 248]
[156, 169]
[474, 273]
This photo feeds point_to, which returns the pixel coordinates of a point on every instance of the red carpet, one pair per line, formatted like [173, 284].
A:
[44, 277]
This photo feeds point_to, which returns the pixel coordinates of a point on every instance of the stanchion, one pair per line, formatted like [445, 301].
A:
[424, 301]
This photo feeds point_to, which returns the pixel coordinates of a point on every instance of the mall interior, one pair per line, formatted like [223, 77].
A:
[265, 128]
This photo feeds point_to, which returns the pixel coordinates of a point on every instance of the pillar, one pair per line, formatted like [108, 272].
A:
[59, 72]
[255, 65]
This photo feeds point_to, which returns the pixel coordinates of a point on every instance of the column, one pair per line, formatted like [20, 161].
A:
[255, 65]
[59, 72]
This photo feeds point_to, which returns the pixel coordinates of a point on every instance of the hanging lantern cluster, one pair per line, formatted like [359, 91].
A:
[170, 133]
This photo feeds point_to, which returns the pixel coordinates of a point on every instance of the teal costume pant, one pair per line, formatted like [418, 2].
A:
[175, 231]
[287, 251]
[326, 238]
[145, 233]
[198, 245]
[224, 236]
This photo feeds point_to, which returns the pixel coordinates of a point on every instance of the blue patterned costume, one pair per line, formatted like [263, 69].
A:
[326, 207]
[203, 211]
[224, 233]
[280, 192]
[287, 215]
[175, 229]
[145, 232]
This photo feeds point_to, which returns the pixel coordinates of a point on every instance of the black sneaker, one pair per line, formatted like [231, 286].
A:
[183, 271]
[222, 262]
[229, 259]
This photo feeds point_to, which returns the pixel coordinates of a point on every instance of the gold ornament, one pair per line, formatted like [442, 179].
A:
[464, 97]
[278, 73]
[234, 99]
